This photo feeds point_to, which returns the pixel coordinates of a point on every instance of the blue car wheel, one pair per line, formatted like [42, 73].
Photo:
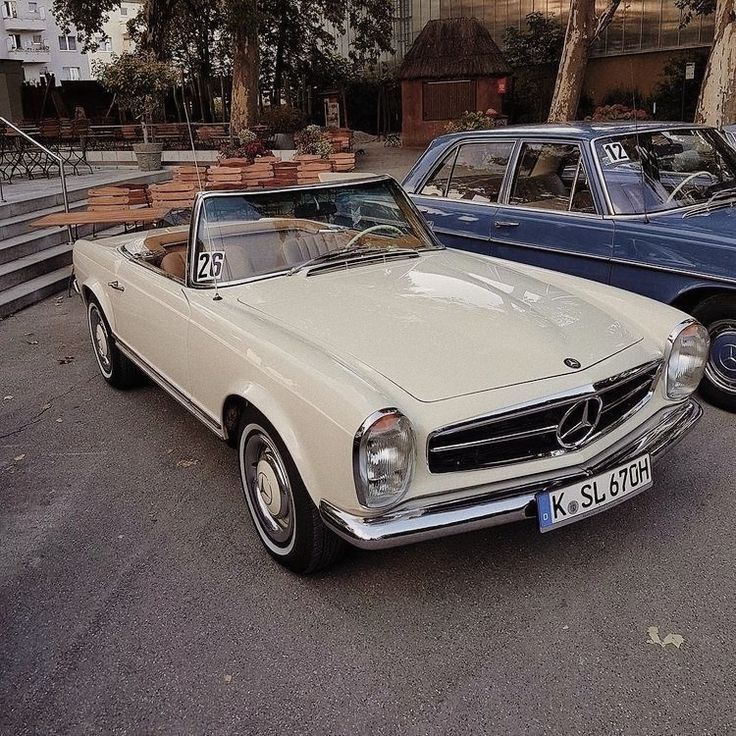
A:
[718, 314]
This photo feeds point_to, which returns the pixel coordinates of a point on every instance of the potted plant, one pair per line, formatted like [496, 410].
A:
[139, 82]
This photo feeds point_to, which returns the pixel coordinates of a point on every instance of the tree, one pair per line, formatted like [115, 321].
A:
[717, 100]
[139, 82]
[583, 28]
[533, 53]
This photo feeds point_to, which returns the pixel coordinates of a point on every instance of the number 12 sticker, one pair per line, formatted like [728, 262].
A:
[616, 152]
[209, 264]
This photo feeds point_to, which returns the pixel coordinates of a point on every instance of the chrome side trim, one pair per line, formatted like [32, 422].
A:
[493, 506]
[174, 392]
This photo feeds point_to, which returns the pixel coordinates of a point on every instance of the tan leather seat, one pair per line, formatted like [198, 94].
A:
[175, 263]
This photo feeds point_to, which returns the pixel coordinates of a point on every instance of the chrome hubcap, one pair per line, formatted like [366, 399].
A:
[268, 488]
[100, 339]
[721, 368]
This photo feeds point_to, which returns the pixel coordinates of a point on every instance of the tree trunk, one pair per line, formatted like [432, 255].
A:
[156, 18]
[278, 73]
[244, 103]
[717, 101]
[571, 73]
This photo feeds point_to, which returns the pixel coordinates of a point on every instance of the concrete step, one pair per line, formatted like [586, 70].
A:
[46, 193]
[20, 224]
[30, 292]
[36, 264]
[30, 243]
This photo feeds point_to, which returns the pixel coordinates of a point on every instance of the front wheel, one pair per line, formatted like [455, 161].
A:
[718, 314]
[116, 369]
[286, 519]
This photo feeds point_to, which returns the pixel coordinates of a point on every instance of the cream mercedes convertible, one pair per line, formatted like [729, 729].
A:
[381, 389]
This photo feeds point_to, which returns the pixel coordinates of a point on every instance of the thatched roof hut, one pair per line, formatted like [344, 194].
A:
[453, 48]
[452, 67]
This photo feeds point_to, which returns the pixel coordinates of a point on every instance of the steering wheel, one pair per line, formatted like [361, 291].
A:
[371, 229]
[685, 182]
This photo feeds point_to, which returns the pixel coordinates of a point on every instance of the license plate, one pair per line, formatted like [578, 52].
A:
[563, 506]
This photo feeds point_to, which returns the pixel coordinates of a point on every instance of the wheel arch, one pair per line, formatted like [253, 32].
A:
[688, 299]
[93, 290]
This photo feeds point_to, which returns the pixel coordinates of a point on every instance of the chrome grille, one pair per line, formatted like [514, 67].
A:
[531, 433]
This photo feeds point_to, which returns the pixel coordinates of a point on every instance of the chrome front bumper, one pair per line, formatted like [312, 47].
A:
[437, 519]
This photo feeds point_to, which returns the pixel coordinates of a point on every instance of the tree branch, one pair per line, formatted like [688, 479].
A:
[604, 19]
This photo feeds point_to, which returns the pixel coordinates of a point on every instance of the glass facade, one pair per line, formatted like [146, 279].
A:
[639, 25]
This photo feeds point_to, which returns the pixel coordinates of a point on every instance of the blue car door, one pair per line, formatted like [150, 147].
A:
[548, 215]
[459, 197]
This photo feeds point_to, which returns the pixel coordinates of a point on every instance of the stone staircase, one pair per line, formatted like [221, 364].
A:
[37, 263]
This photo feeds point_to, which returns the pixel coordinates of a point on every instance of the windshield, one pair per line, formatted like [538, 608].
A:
[666, 169]
[243, 236]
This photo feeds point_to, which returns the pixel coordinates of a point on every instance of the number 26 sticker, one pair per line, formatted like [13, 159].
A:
[209, 264]
[616, 153]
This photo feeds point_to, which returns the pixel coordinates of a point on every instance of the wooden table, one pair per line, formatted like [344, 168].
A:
[144, 215]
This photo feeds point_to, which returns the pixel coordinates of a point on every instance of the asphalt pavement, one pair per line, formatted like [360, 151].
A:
[135, 597]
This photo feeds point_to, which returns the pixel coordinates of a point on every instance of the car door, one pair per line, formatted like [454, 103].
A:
[152, 319]
[548, 215]
[459, 197]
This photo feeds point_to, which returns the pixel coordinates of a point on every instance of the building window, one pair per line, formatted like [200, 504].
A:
[33, 7]
[37, 39]
[123, 11]
[13, 41]
[68, 43]
[447, 100]
[10, 10]
[71, 73]
[104, 43]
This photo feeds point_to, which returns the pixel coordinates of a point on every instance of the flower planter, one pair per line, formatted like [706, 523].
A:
[148, 155]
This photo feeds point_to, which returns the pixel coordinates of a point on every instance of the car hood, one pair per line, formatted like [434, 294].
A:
[443, 325]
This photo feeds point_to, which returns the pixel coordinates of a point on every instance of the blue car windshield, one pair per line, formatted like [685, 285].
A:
[666, 169]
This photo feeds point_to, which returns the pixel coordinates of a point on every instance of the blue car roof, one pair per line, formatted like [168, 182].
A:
[583, 130]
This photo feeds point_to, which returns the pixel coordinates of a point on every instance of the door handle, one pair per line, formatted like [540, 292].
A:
[505, 223]
[116, 285]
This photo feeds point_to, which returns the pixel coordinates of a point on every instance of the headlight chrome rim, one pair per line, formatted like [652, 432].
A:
[358, 442]
[672, 392]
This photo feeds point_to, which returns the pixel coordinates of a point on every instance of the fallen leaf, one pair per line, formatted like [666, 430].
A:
[32, 342]
[186, 463]
[18, 458]
[59, 420]
[676, 640]
[7, 398]
[66, 359]
[228, 678]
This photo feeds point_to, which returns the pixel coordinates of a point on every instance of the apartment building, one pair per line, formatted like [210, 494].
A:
[33, 38]
[115, 38]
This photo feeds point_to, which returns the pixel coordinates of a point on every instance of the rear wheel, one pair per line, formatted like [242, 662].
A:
[286, 519]
[718, 314]
[116, 369]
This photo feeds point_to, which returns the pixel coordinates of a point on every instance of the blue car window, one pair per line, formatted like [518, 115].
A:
[667, 169]
[552, 176]
[475, 172]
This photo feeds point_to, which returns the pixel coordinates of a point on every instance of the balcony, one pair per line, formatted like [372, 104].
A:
[29, 22]
[31, 55]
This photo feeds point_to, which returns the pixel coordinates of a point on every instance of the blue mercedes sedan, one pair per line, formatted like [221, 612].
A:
[649, 207]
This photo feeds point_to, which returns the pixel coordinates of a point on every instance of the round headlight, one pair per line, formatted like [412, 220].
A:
[383, 458]
[688, 354]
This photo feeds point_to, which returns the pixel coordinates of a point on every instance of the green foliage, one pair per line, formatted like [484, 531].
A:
[534, 54]
[313, 140]
[248, 145]
[471, 121]
[540, 42]
[283, 118]
[611, 113]
[675, 96]
[138, 80]
[692, 8]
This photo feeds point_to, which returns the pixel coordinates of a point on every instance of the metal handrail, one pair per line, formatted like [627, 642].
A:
[58, 159]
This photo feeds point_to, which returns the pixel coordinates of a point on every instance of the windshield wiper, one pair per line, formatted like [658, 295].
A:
[355, 252]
